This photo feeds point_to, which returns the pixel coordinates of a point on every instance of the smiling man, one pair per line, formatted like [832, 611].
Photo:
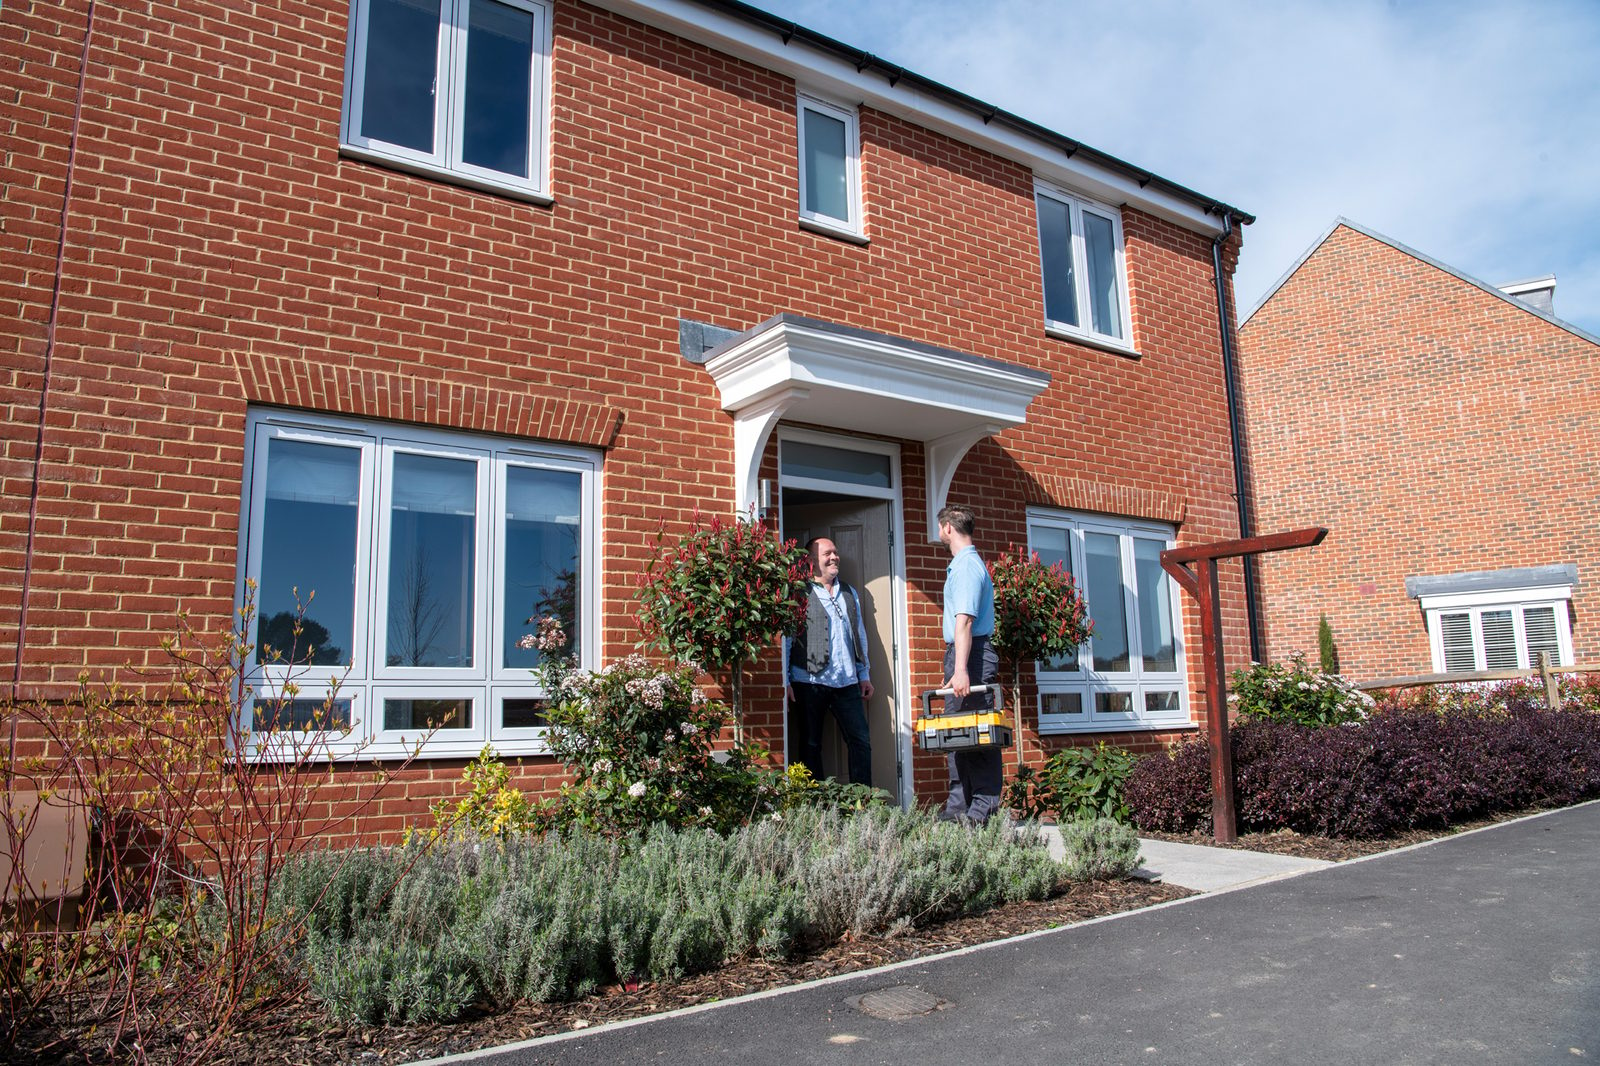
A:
[828, 667]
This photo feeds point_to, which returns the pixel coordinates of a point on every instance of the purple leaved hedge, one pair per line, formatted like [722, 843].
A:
[1415, 763]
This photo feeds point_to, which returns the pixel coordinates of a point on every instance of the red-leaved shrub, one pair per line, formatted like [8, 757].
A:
[1419, 762]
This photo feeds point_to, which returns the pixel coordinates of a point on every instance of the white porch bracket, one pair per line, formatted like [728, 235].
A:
[944, 455]
[752, 428]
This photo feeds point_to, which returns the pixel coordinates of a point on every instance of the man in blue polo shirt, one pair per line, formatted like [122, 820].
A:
[970, 659]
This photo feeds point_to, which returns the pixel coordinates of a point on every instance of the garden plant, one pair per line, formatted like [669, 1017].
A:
[1039, 615]
[189, 813]
[1416, 761]
[720, 594]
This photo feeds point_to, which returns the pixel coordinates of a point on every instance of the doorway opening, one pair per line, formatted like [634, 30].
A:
[847, 490]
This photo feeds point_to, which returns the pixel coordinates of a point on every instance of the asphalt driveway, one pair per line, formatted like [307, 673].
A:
[1483, 948]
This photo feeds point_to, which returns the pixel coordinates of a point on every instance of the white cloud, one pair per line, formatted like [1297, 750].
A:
[1468, 130]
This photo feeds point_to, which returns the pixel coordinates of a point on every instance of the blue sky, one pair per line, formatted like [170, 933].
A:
[1468, 130]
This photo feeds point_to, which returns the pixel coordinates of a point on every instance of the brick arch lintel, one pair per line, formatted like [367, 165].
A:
[1077, 494]
[282, 382]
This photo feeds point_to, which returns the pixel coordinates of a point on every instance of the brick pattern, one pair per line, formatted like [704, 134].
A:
[1433, 428]
[220, 252]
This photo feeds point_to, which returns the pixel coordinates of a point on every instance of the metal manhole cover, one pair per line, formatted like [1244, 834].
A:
[898, 1003]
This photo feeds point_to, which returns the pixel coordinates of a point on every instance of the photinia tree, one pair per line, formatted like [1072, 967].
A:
[1039, 615]
[720, 594]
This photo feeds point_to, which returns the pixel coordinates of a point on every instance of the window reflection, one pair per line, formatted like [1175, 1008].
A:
[542, 564]
[308, 556]
[499, 100]
[1155, 607]
[1103, 559]
[827, 181]
[1055, 246]
[432, 555]
[397, 103]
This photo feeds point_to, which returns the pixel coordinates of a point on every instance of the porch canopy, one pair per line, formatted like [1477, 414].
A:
[803, 370]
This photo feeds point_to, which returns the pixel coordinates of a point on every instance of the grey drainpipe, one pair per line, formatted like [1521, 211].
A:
[1229, 372]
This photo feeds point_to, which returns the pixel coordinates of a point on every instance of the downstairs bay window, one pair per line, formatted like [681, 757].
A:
[412, 561]
[1130, 673]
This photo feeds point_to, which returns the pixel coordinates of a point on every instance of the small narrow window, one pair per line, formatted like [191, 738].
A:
[1504, 635]
[1081, 265]
[830, 181]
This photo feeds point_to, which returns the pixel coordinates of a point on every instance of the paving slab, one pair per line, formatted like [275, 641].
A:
[1204, 869]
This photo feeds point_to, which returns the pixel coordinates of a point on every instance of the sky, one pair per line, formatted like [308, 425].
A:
[1466, 130]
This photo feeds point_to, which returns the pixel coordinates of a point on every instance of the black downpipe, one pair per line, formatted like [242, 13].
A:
[1230, 374]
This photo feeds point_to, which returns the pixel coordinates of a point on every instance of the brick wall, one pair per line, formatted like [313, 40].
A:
[1433, 428]
[220, 253]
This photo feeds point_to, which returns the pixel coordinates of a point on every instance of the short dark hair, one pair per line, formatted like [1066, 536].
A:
[960, 518]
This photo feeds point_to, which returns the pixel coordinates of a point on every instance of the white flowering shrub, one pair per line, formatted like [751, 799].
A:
[1296, 693]
[637, 736]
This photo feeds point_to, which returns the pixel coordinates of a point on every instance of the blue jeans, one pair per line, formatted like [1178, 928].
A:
[976, 774]
[850, 712]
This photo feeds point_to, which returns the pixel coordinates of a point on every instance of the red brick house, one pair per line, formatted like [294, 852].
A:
[440, 310]
[1444, 431]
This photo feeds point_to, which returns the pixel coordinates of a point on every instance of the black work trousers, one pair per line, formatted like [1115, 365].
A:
[976, 774]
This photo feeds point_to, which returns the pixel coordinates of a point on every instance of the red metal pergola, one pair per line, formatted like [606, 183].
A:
[1201, 583]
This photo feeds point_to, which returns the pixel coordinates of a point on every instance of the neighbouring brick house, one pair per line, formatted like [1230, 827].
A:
[1444, 430]
[441, 311]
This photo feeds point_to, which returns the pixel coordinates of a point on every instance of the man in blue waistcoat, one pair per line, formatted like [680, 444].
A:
[828, 667]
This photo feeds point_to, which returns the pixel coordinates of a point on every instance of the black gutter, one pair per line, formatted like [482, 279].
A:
[1230, 374]
[790, 32]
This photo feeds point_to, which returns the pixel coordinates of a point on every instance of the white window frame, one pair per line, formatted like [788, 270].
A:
[1517, 601]
[853, 227]
[367, 680]
[1136, 682]
[1076, 206]
[449, 118]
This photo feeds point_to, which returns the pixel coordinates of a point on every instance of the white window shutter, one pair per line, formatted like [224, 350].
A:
[1539, 623]
[1456, 631]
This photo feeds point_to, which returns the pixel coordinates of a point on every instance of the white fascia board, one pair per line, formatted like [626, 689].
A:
[1541, 594]
[827, 75]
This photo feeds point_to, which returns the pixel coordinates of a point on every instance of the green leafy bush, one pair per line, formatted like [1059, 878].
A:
[492, 806]
[1295, 693]
[1039, 614]
[1074, 784]
[720, 594]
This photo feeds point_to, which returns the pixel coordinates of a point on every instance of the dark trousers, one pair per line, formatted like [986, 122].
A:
[850, 712]
[976, 775]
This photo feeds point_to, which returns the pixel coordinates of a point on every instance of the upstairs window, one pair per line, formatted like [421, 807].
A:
[450, 87]
[1130, 673]
[1080, 252]
[830, 167]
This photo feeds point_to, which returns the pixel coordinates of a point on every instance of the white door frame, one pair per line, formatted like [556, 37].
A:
[898, 655]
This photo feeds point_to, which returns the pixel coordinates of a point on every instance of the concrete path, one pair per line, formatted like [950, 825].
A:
[1480, 948]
